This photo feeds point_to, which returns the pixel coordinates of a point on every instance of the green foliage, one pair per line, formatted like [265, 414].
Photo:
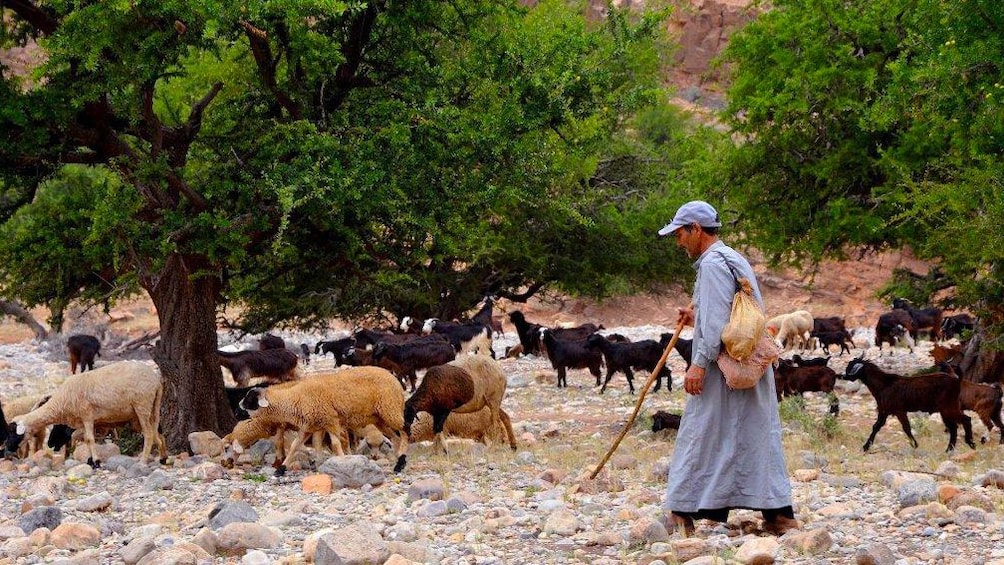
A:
[342, 159]
[73, 236]
[874, 124]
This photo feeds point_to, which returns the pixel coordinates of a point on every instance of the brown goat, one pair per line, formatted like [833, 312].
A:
[797, 380]
[897, 396]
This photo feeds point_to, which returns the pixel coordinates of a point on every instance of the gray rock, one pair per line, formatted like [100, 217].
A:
[118, 462]
[137, 549]
[875, 554]
[353, 471]
[137, 470]
[238, 536]
[357, 544]
[970, 515]
[95, 502]
[43, 517]
[159, 480]
[431, 489]
[259, 451]
[433, 509]
[917, 491]
[231, 511]
[456, 505]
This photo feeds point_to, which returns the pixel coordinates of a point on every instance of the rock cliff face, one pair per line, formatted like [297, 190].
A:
[702, 29]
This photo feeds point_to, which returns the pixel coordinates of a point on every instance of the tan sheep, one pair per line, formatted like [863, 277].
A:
[466, 384]
[478, 426]
[331, 402]
[19, 407]
[487, 373]
[119, 393]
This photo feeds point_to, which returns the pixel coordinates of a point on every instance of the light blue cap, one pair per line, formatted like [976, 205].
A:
[694, 212]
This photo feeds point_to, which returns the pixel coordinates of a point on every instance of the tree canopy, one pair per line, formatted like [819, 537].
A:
[326, 159]
[319, 159]
[867, 125]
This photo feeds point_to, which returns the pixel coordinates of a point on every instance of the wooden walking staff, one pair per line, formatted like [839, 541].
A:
[641, 398]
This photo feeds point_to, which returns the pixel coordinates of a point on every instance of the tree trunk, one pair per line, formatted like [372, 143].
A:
[21, 315]
[981, 364]
[194, 399]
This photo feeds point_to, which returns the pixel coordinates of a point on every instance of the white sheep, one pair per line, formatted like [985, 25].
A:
[127, 392]
[331, 402]
[791, 329]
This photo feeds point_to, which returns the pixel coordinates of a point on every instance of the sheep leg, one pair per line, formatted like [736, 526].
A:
[93, 460]
[561, 377]
[904, 421]
[879, 422]
[400, 449]
[438, 423]
[297, 442]
[507, 423]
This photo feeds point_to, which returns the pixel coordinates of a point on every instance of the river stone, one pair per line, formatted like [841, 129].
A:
[353, 471]
[43, 517]
[231, 511]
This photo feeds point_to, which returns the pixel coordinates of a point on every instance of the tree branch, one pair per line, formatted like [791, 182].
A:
[262, 53]
[357, 39]
[39, 18]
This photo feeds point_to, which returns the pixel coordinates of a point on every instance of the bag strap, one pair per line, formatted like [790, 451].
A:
[735, 276]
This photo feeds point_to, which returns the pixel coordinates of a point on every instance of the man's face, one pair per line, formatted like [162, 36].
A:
[689, 238]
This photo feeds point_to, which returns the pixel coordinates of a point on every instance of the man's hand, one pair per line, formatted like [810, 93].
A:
[685, 315]
[693, 382]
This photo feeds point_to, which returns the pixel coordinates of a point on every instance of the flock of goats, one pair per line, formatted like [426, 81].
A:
[463, 384]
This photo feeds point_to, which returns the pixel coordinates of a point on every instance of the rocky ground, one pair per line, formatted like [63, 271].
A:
[485, 505]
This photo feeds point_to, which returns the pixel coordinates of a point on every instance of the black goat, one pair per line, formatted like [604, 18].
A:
[411, 357]
[892, 326]
[897, 396]
[337, 348]
[566, 355]
[957, 325]
[83, 349]
[817, 362]
[465, 337]
[685, 347]
[528, 333]
[923, 318]
[276, 365]
[828, 338]
[269, 341]
[830, 324]
[623, 357]
[799, 380]
[663, 420]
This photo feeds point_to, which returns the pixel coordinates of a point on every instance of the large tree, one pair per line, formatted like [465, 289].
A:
[866, 125]
[306, 160]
